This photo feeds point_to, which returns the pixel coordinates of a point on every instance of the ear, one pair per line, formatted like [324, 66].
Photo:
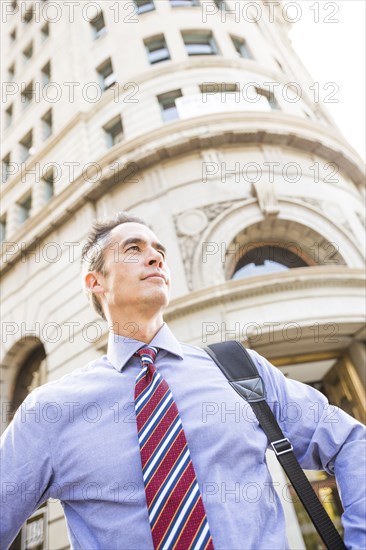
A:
[94, 283]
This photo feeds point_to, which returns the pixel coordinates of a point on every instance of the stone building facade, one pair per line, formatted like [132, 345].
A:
[198, 116]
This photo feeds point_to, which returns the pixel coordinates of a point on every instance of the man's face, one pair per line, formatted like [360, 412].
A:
[136, 275]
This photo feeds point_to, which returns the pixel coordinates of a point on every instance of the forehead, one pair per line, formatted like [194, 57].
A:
[132, 229]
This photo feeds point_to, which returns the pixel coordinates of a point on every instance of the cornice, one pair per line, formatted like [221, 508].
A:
[180, 138]
[293, 280]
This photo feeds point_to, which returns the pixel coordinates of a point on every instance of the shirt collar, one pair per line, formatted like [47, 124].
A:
[121, 348]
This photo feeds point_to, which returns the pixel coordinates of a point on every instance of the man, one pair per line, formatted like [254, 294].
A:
[139, 469]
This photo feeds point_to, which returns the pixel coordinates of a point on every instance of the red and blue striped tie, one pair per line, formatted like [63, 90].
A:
[176, 512]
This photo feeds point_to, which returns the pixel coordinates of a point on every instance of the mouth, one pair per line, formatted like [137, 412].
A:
[156, 276]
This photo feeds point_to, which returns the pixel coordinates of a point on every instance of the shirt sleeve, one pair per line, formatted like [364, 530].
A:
[25, 468]
[324, 438]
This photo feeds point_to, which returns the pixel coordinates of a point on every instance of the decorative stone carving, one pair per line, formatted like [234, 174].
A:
[362, 218]
[332, 210]
[313, 202]
[213, 158]
[191, 222]
[265, 192]
[189, 228]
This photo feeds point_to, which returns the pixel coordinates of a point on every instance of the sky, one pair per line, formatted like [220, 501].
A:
[335, 52]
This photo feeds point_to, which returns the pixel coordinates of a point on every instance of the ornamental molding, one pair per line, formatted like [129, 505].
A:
[177, 139]
[188, 240]
[295, 281]
[266, 194]
[332, 210]
[362, 218]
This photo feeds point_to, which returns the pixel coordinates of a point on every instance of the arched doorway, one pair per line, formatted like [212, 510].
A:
[26, 362]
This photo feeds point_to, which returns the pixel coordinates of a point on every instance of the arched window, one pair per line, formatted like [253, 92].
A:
[261, 260]
[31, 374]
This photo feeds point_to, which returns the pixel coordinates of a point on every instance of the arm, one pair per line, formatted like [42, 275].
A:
[324, 438]
[25, 468]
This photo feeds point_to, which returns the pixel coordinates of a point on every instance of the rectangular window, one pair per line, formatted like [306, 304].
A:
[49, 185]
[27, 95]
[114, 131]
[9, 116]
[167, 104]
[220, 4]
[98, 26]
[11, 72]
[3, 228]
[28, 16]
[241, 47]
[47, 124]
[13, 35]
[25, 206]
[184, 3]
[46, 74]
[269, 97]
[5, 168]
[156, 49]
[144, 5]
[28, 52]
[200, 43]
[45, 31]
[219, 88]
[26, 146]
[106, 75]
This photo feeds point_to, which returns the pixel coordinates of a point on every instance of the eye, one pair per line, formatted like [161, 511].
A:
[162, 253]
[135, 246]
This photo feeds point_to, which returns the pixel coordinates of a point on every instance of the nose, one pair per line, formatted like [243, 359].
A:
[155, 258]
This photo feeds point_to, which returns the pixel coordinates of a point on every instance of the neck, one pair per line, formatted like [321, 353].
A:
[141, 328]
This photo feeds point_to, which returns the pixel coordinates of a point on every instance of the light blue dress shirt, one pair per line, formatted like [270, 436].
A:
[75, 439]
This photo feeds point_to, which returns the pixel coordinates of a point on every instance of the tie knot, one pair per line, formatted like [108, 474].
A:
[147, 354]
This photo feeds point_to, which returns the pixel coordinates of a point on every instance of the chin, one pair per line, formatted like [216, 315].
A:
[158, 298]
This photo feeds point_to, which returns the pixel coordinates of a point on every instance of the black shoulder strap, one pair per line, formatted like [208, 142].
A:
[241, 372]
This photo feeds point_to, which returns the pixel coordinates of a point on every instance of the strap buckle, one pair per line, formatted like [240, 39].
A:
[282, 446]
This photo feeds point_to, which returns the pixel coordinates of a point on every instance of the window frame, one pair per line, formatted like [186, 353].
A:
[25, 204]
[102, 78]
[243, 46]
[111, 138]
[166, 112]
[271, 98]
[5, 164]
[3, 227]
[11, 72]
[222, 4]
[29, 90]
[9, 116]
[202, 34]
[23, 146]
[184, 3]
[48, 180]
[97, 34]
[47, 123]
[28, 16]
[45, 35]
[46, 74]
[30, 46]
[150, 53]
[149, 4]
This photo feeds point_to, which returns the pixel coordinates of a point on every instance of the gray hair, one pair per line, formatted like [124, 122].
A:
[98, 239]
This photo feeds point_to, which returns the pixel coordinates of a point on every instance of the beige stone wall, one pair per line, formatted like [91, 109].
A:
[203, 183]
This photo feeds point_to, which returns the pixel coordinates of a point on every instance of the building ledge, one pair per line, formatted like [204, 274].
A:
[181, 138]
[293, 281]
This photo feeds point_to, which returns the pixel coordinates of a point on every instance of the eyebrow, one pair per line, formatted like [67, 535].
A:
[137, 240]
